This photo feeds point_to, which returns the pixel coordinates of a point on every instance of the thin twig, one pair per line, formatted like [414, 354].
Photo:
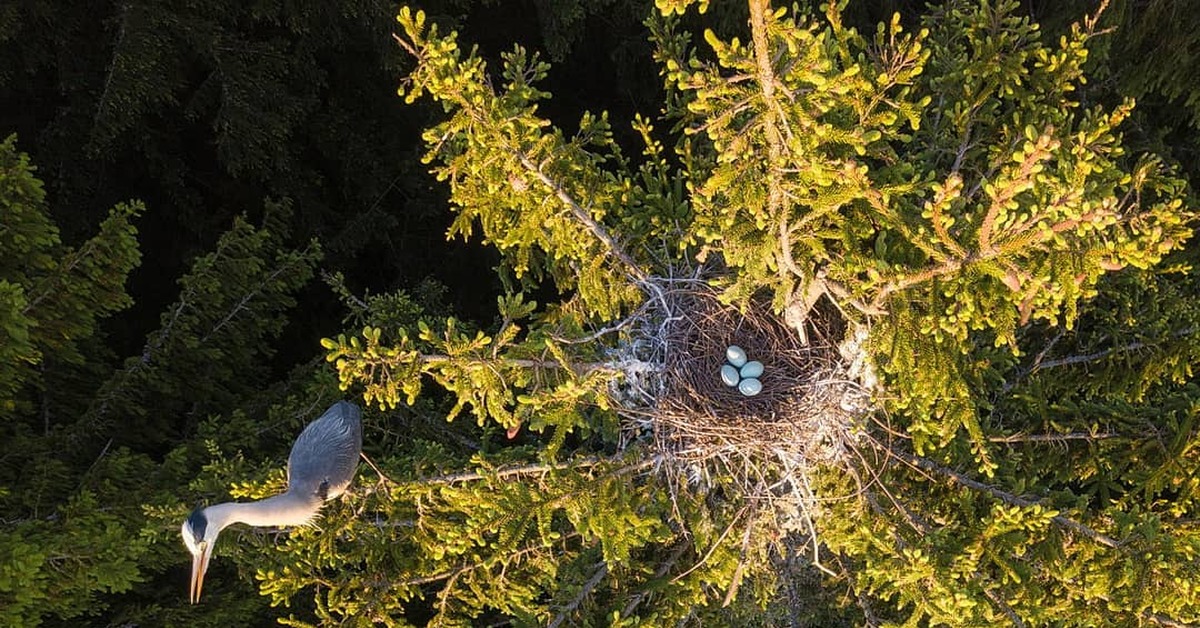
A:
[1166, 621]
[384, 478]
[1040, 364]
[736, 581]
[1000, 603]
[715, 545]
[1133, 346]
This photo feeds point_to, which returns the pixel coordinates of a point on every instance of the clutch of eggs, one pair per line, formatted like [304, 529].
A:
[740, 373]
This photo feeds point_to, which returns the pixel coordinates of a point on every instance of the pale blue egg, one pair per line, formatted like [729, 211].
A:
[750, 387]
[729, 375]
[753, 368]
[735, 355]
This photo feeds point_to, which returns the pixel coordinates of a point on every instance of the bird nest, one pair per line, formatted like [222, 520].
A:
[807, 415]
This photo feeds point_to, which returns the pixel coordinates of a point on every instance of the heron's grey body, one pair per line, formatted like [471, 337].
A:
[321, 466]
[325, 455]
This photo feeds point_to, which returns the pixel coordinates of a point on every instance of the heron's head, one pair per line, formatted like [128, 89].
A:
[199, 537]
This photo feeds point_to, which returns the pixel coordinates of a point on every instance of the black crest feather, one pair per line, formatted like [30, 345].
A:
[198, 523]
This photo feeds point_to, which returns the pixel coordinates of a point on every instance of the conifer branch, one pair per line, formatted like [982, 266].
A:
[1052, 438]
[930, 466]
[991, 252]
[1042, 364]
[1019, 183]
[583, 216]
[55, 281]
[583, 593]
[534, 469]
[662, 570]
[1000, 603]
[771, 122]
[1092, 357]
[938, 218]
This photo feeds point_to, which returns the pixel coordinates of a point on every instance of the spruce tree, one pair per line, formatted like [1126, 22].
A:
[983, 233]
[1008, 284]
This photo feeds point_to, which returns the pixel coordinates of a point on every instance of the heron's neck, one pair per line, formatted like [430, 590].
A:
[287, 509]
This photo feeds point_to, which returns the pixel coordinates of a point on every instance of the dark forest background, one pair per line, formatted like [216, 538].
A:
[283, 189]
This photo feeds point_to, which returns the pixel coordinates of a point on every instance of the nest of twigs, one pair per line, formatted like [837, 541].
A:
[808, 414]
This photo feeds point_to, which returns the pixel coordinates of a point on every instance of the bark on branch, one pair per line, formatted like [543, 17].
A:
[583, 593]
[771, 122]
[934, 468]
[533, 469]
[584, 217]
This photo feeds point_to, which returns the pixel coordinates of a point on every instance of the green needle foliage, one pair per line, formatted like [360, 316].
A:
[954, 191]
[945, 178]
[77, 478]
[51, 295]
[51, 299]
[1014, 283]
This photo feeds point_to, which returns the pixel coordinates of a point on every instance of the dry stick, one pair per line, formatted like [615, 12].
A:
[583, 593]
[869, 616]
[1166, 621]
[241, 305]
[736, 582]
[812, 527]
[84, 478]
[465, 567]
[581, 367]
[715, 545]
[1000, 603]
[1006, 497]
[1133, 346]
[406, 46]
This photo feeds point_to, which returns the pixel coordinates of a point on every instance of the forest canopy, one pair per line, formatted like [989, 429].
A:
[682, 312]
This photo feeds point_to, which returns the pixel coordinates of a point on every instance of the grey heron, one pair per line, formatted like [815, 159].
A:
[320, 467]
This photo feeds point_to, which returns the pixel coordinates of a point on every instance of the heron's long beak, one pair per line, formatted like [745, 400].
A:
[199, 566]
